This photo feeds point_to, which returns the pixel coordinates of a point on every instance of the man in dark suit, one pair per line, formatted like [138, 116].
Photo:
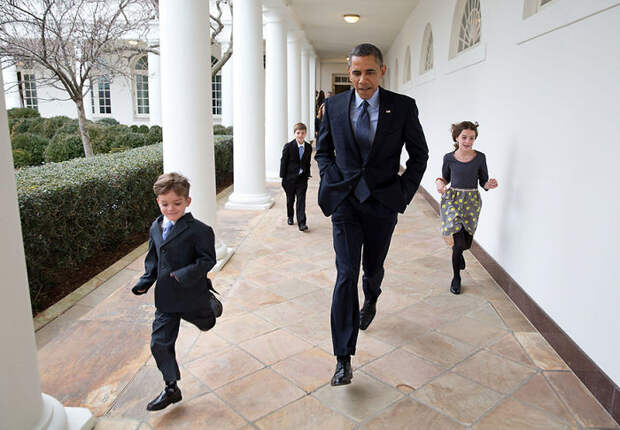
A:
[358, 153]
[295, 171]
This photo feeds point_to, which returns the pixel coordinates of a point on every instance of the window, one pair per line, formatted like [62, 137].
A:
[530, 7]
[426, 59]
[92, 98]
[216, 90]
[466, 30]
[407, 71]
[105, 99]
[28, 88]
[340, 83]
[141, 73]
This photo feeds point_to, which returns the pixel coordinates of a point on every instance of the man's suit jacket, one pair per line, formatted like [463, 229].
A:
[340, 162]
[290, 162]
[188, 253]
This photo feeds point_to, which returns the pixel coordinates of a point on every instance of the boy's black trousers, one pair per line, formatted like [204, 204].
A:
[164, 336]
[296, 189]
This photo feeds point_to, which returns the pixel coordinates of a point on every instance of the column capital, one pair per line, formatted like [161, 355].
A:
[274, 14]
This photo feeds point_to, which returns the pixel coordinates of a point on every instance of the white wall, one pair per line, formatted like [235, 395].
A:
[545, 91]
[327, 69]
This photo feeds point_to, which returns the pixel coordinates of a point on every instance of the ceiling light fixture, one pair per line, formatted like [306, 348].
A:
[351, 18]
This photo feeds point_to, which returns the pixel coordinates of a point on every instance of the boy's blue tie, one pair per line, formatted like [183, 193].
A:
[301, 152]
[362, 134]
[167, 228]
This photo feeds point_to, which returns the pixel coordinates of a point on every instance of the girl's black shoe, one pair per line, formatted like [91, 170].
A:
[455, 287]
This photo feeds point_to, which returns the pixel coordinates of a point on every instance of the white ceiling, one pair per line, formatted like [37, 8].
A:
[332, 38]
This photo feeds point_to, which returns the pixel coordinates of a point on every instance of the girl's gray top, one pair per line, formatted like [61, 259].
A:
[465, 175]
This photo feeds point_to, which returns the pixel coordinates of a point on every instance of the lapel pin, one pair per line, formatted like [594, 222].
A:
[388, 111]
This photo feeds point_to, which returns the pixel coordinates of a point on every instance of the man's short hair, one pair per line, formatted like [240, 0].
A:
[364, 50]
[171, 181]
[300, 126]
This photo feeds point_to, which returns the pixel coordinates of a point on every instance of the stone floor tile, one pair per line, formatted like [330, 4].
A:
[54, 328]
[242, 328]
[207, 344]
[394, 330]
[314, 329]
[285, 313]
[411, 415]
[537, 392]
[512, 316]
[292, 287]
[230, 311]
[260, 394]
[509, 347]
[275, 346]
[460, 398]
[395, 299]
[472, 331]
[488, 315]
[266, 278]
[364, 398]
[116, 424]
[309, 369]
[453, 305]
[304, 414]
[368, 348]
[298, 268]
[425, 315]
[540, 351]
[318, 301]
[206, 412]
[92, 363]
[437, 348]
[252, 297]
[402, 370]
[220, 369]
[580, 401]
[494, 372]
[513, 415]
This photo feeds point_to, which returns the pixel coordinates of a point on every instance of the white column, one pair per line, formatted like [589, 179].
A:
[275, 96]
[154, 76]
[11, 91]
[22, 406]
[312, 101]
[305, 72]
[249, 190]
[186, 109]
[227, 81]
[293, 72]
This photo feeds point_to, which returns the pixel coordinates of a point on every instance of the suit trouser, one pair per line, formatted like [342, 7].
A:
[296, 189]
[356, 225]
[165, 331]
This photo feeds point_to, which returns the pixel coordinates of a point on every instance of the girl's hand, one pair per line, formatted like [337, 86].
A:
[441, 186]
[491, 183]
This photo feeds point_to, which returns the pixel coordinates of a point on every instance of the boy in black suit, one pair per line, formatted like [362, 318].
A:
[181, 253]
[295, 171]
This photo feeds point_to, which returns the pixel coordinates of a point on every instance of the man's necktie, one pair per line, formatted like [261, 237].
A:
[167, 228]
[362, 134]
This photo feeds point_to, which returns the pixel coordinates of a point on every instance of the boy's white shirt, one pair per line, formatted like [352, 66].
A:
[166, 221]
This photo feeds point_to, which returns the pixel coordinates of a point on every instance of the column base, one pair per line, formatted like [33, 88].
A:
[56, 417]
[222, 255]
[249, 201]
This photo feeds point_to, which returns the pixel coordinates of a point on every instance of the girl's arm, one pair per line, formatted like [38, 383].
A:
[442, 181]
[483, 175]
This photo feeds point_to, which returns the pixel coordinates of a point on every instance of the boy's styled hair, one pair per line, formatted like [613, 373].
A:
[171, 181]
[460, 126]
[299, 126]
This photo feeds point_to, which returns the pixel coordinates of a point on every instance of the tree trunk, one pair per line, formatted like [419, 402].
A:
[88, 149]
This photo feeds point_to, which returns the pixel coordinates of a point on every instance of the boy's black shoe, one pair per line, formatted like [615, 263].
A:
[343, 373]
[455, 287]
[289, 221]
[303, 227]
[216, 306]
[170, 394]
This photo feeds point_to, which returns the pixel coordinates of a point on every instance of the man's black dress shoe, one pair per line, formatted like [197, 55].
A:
[303, 227]
[343, 373]
[455, 287]
[289, 221]
[367, 313]
[170, 394]
[462, 265]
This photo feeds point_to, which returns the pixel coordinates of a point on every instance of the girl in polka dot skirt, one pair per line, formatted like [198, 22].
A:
[460, 204]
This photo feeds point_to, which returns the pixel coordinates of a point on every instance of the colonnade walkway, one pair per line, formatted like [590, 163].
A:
[430, 360]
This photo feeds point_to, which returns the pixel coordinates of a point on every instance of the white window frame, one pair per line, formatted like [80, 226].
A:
[340, 79]
[216, 90]
[427, 51]
[140, 75]
[98, 105]
[29, 86]
[472, 55]
[531, 7]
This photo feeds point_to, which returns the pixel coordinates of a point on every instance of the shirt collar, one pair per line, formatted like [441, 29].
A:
[166, 221]
[300, 144]
[373, 101]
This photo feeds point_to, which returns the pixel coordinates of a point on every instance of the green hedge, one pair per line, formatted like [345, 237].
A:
[31, 147]
[22, 113]
[72, 210]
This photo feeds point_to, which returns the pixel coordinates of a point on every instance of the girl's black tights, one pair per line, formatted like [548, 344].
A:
[462, 241]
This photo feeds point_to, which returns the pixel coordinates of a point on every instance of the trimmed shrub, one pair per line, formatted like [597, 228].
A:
[133, 128]
[22, 113]
[73, 210]
[154, 135]
[107, 121]
[130, 140]
[64, 147]
[223, 154]
[72, 127]
[51, 126]
[26, 125]
[21, 158]
[220, 129]
[144, 129]
[31, 144]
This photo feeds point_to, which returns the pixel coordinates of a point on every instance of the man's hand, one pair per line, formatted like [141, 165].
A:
[138, 291]
[491, 183]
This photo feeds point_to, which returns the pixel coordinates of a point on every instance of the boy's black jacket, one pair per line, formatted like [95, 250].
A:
[188, 253]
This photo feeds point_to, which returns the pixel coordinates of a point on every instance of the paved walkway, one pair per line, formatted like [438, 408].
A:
[430, 360]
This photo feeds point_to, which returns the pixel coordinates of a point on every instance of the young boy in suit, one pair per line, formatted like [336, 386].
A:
[295, 171]
[181, 253]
